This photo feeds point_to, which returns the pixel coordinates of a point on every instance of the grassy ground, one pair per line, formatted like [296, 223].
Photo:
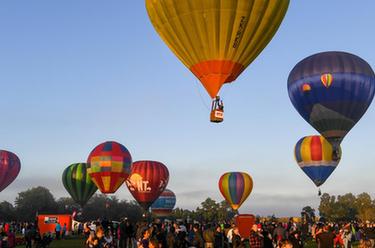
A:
[69, 243]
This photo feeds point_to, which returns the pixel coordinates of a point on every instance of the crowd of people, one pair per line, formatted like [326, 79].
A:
[27, 234]
[124, 234]
[225, 235]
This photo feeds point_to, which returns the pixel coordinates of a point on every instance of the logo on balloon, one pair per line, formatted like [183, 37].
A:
[136, 183]
[306, 87]
[327, 79]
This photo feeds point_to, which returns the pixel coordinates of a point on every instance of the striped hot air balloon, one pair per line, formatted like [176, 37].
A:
[164, 205]
[341, 88]
[316, 157]
[10, 167]
[78, 183]
[109, 165]
[148, 179]
[235, 187]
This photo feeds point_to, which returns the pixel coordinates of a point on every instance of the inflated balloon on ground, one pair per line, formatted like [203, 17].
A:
[109, 165]
[148, 179]
[78, 183]
[165, 203]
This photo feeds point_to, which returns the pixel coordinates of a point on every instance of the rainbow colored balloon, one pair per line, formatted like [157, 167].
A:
[316, 157]
[235, 187]
[109, 165]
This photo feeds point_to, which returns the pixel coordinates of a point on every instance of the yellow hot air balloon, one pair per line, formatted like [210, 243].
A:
[216, 39]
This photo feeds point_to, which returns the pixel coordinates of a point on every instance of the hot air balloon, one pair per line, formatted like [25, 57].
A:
[148, 179]
[316, 157]
[216, 39]
[10, 166]
[78, 183]
[164, 205]
[109, 165]
[235, 187]
[332, 91]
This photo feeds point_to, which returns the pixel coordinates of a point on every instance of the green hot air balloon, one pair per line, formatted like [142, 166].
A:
[78, 183]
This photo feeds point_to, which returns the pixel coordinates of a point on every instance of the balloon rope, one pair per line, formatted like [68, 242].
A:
[201, 97]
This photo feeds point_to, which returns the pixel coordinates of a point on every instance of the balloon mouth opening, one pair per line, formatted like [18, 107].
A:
[214, 73]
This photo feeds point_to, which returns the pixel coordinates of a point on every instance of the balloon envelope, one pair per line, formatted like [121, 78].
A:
[332, 91]
[109, 165]
[148, 179]
[165, 203]
[216, 39]
[10, 167]
[78, 183]
[315, 156]
[235, 187]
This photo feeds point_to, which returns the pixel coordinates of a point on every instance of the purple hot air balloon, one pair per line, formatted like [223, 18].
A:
[10, 166]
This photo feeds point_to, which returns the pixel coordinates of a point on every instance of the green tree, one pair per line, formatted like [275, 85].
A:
[102, 206]
[208, 211]
[225, 211]
[32, 201]
[7, 211]
[365, 207]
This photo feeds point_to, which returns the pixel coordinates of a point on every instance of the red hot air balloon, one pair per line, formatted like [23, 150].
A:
[148, 179]
[109, 165]
[10, 166]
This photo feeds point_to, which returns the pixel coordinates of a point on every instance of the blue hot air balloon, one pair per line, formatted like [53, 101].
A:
[332, 91]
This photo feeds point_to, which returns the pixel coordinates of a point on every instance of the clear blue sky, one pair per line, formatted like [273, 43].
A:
[77, 73]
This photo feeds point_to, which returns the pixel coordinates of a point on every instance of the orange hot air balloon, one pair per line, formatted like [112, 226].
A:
[216, 39]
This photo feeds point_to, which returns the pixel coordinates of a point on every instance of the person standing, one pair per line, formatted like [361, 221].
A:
[347, 237]
[64, 229]
[219, 238]
[58, 230]
[196, 239]
[209, 237]
[11, 239]
[256, 239]
[236, 238]
[28, 236]
[325, 238]
[279, 233]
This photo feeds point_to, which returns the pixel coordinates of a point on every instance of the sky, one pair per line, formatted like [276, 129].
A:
[74, 74]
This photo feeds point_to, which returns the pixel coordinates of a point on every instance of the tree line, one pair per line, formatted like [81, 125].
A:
[39, 200]
[347, 207]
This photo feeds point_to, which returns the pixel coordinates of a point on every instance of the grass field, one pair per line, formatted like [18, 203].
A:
[69, 243]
